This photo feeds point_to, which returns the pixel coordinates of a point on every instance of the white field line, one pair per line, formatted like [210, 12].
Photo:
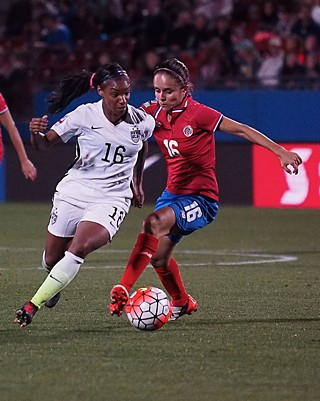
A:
[248, 258]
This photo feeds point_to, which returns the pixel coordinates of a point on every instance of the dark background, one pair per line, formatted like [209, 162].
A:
[233, 172]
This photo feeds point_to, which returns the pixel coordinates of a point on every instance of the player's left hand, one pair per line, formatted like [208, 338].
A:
[138, 197]
[290, 159]
[28, 169]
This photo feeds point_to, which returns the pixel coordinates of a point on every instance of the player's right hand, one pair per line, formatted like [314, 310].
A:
[38, 124]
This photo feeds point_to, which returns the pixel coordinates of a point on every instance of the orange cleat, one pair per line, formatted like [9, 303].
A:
[119, 297]
[187, 309]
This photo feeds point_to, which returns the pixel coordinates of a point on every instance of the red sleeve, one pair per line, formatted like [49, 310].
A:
[208, 118]
[3, 104]
[150, 107]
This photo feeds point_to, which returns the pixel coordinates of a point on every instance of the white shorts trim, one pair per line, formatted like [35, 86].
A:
[67, 213]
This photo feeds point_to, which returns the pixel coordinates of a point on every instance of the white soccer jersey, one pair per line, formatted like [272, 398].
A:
[105, 153]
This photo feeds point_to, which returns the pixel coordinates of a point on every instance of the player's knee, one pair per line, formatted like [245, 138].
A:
[152, 224]
[81, 249]
[159, 263]
[50, 259]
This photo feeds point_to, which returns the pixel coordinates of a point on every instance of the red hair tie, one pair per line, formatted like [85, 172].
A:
[91, 80]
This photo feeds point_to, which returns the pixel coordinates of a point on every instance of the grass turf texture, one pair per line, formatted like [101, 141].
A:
[255, 335]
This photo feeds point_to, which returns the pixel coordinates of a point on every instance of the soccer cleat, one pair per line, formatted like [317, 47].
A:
[53, 301]
[25, 314]
[119, 297]
[187, 309]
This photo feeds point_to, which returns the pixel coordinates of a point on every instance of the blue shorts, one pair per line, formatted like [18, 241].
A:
[192, 211]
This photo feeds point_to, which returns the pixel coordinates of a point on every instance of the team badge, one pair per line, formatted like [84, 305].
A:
[54, 216]
[188, 131]
[135, 134]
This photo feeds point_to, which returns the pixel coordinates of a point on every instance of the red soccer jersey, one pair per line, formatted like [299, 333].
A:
[3, 108]
[188, 144]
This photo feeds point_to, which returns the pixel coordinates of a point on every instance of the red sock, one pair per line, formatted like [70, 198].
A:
[172, 282]
[141, 255]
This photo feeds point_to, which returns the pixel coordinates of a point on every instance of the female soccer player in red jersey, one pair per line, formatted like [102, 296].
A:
[28, 169]
[185, 134]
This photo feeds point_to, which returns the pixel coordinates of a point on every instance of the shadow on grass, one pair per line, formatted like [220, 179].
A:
[214, 322]
[55, 332]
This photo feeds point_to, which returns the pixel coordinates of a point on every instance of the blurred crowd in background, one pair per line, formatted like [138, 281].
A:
[226, 44]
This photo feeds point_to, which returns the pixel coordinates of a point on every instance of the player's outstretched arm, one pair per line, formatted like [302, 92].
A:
[287, 158]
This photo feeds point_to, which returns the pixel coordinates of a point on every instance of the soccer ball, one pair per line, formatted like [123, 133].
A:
[148, 308]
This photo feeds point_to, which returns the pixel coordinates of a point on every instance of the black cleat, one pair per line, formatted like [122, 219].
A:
[25, 314]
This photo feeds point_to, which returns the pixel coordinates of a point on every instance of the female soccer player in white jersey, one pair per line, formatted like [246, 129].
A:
[93, 198]
[185, 134]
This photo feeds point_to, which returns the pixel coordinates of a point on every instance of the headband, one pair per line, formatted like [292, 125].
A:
[113, 75]
[108, 75]
[175, 74]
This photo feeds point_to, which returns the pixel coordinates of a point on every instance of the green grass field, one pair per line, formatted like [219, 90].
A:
[255, 337]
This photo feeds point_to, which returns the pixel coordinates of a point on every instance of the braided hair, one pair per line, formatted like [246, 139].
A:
[76, 85]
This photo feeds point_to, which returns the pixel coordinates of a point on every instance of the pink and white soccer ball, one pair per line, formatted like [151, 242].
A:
[148, 308]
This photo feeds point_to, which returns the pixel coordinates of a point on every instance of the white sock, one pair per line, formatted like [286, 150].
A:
[43, 263]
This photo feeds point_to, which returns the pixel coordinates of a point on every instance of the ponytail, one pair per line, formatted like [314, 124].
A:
[74, 86]
[69, 89]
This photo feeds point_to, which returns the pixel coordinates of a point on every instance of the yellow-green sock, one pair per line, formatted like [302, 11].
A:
[59, 277]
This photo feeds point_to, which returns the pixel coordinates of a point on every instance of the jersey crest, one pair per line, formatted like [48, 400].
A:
[135, 134]
[188, 131]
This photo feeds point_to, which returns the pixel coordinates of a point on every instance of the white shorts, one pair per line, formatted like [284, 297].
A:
[67, 213]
